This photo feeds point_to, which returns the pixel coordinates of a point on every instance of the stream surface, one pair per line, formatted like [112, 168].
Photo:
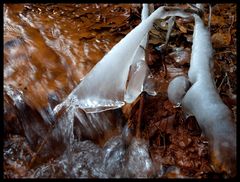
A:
[48, 49]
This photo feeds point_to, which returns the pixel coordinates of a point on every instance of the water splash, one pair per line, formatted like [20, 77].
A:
[90, 112]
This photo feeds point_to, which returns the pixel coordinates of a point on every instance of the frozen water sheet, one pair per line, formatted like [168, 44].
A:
[103, 88]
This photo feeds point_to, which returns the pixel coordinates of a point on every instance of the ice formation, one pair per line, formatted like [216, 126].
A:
[91, 108]
[201, 58]
[177, 88]
[139, 68]
[139, 163]
[34, 128]
[104, 86]
[131, 160]
[203, 101]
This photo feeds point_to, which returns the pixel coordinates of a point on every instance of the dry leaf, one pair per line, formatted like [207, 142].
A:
[183, 29]
[216, 20]
[221, 40]
[181, 26]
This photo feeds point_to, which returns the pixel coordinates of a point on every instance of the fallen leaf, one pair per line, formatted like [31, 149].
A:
[182, 26]
[216, 20]
[221, 40]
[183, 29]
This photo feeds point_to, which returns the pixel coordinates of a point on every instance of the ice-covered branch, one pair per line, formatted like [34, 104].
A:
[139, 68]
[201, 58]
[104, 86]
[102, 89]
[203, 101]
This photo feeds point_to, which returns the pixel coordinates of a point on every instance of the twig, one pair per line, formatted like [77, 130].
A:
[219, 87]
[165, 69]
[194, 9]
[164, 141]
[41, 146]
[209, 17]
[162, 54]
[229, 85]
[139, 119]
[223, 52]
[37, 152]
[171, 22]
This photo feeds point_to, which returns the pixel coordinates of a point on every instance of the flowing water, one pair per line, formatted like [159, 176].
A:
[50, 132]
[48, 49]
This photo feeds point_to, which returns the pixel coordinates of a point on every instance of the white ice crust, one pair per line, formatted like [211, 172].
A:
[104, 87]
[203, 101]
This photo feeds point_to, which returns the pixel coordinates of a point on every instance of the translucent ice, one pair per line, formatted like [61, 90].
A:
[90, 108]
[139, 68]
[123, 158]
[104, 86]
[85, 162]
[114, 152]
[31, 120]
[138, 162]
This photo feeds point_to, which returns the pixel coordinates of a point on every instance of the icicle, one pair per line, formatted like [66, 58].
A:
[104, 86]
[139, 68]
[201, 58]
[203, 101]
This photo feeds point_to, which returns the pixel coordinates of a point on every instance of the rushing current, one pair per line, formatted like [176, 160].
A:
[48, 49]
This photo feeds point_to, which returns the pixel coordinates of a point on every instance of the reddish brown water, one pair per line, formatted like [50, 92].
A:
[50, 47]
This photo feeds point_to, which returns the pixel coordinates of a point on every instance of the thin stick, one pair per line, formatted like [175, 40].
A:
[139, 119]
[41, 146]
[194, 9]
[209, 17]
[224, 52]
[171, 22]
[224, 78]
[229, 85]
[36, 154]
